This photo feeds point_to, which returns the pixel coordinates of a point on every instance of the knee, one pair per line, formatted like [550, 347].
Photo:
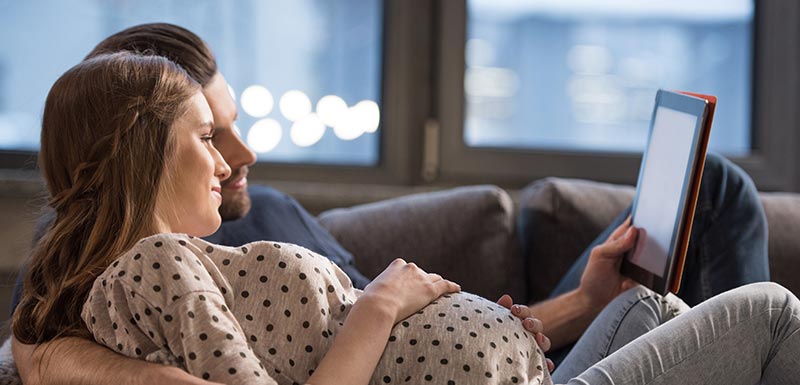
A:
[772, 295]
[728, 183]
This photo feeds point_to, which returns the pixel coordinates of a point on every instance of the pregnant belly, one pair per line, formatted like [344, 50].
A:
[460, 338]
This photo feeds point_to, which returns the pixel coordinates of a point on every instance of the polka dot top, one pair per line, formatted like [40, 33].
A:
[266, 313]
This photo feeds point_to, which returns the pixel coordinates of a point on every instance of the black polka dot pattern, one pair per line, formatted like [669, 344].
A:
[206, 307]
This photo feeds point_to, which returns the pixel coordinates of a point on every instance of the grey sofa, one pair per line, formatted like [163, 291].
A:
[469, 235]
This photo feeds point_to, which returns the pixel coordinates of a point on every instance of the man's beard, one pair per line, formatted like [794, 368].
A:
[236, 203]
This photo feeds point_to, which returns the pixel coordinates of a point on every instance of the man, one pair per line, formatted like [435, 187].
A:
[263, 213]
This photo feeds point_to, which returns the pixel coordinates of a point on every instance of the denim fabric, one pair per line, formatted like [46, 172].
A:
[630, 315]
[747, 336]
[728, 243]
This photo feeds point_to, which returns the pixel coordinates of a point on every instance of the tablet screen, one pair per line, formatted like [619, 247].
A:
[662, 186]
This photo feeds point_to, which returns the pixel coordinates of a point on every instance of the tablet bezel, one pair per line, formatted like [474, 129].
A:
[699, 108]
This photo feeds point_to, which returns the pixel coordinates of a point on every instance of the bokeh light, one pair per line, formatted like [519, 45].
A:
[264, 135]
[294, 105]
[257, 101]
[330, 109]
[369, 115]
[348, 127]
[307, 131]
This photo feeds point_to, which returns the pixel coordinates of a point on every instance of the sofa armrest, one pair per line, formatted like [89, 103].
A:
[783, 217]
[466, 234]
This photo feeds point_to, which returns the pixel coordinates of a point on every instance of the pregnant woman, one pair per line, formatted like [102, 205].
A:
[134, 179]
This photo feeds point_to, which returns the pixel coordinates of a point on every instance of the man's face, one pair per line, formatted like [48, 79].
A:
[235, 199]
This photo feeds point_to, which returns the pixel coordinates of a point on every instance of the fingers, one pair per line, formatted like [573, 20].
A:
[521, 311]
[398, 262]
[444, 286]
[621, 229]
[533, 325]
[628, 284]
[618, 246]
[542, 341]
[550, 365]
[505, 301]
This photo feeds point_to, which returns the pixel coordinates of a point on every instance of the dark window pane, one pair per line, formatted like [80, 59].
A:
[298, 51]
[582, 75]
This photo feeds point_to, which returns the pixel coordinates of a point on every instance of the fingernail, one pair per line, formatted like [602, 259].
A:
[515, 309]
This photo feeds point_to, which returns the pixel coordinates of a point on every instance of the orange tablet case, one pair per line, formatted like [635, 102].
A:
[694, 189]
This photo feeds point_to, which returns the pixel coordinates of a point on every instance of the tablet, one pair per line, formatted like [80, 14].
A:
[666, 193]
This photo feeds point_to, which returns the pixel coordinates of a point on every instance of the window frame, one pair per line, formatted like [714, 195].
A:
[772, 161]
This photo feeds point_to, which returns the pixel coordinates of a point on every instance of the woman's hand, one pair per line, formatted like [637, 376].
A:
[403, 289]
[530, 323]
[602, 281]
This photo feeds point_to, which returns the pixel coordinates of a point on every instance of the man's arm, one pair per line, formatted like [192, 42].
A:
[78, 361]
[567, 316]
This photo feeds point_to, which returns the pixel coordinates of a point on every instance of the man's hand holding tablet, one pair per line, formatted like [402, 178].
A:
[666, 193]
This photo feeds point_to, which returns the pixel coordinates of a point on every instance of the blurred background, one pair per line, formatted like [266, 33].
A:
[351, 101]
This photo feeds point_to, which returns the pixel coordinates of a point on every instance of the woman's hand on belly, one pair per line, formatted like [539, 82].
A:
[403, 289]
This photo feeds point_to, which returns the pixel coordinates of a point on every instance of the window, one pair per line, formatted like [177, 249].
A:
[582, 75]
[530, 89]
[306, 74]
[463, 91]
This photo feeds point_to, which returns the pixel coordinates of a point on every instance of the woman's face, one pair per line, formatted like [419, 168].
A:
[190, 199]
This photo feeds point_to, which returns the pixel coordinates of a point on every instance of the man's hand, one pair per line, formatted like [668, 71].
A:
[72, 360]
[602, 281]
[530, 323]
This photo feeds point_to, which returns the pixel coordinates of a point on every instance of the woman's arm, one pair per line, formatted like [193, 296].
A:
[567, 316]
[397, 293]
[78, 361]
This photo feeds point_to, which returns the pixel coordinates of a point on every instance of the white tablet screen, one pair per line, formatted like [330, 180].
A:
[661, 187]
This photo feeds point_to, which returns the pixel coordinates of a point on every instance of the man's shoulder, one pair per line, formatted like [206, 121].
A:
[273, 215]
[265, 199]
[265, 193]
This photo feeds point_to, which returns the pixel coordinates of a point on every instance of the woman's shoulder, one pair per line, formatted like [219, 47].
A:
[168, 241]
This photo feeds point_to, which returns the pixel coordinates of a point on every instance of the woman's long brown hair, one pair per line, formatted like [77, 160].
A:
[105, 146]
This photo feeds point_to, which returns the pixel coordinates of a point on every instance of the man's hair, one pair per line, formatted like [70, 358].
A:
[168, 40]
[105, 154]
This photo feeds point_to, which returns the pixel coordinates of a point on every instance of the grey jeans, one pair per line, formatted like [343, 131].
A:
[748, 335]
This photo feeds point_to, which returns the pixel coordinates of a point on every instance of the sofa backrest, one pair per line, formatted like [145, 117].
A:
[466, 234]
[570, 213]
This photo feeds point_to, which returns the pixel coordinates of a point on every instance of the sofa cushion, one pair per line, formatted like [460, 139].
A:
[467, 234]
[560, 218]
